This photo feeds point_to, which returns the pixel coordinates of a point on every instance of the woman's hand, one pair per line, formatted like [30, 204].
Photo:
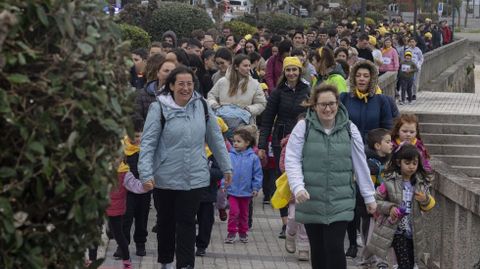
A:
[393, 214]
[227, 179]
[262, 154]
[302, 196]
[372, 207]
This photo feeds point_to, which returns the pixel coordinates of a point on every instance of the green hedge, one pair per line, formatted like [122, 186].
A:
[63, 107]
[376, 16]
[240, 28]
[181, 18]
[138, 37]
[276, 21]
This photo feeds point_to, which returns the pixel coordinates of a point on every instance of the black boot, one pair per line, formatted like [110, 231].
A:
[282, 233]
[352, 251]
[118, 254]
[141, 249]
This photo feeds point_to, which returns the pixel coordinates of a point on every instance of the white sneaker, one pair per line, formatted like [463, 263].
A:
[303, 255]
[359, 240]
[290, 245]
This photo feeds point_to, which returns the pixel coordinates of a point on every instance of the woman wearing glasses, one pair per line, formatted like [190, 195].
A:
[323, 152]
[172, 158]
[368, 110]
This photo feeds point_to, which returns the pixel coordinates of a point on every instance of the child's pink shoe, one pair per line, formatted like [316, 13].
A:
[127, 264]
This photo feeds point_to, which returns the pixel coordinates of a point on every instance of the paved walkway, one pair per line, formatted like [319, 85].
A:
[445, 103]
[264, 249]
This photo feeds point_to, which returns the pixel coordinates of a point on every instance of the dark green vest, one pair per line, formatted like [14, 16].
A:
[328, 172]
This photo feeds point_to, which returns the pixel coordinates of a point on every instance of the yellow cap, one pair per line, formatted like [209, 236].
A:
[248, 37]
[289, 61]
[223, 126]
[382, 30]
[428, 35]
[372, 40]
[354, 22]
[408, 53]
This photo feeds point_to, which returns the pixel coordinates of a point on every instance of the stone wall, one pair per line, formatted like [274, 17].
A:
[452, 228]
[459, 77]
[388, 83]
[436, 61]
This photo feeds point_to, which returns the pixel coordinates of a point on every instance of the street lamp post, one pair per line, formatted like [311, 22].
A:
[453, 18]
[362, 23]
[414, 17]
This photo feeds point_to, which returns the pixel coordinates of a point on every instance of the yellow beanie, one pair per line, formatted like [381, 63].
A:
[223, 126]
[372, 40]
[408, 53]
[428, 35]
[289, 61]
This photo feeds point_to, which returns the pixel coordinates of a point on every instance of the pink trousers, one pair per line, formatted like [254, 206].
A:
[238, 214]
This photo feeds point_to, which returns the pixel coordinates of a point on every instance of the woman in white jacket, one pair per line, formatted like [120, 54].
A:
[238, 88]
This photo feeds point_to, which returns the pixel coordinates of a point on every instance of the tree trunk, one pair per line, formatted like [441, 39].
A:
[466, 14]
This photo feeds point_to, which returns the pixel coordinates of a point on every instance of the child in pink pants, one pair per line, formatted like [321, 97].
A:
[246, 182]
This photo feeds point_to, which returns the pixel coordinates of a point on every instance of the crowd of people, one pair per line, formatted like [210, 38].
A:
[218, 118]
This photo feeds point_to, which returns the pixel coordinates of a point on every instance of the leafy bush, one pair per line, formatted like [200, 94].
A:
[422, 16]
[63, 102]
[276, 21]
[158, 17]
[376, 16]
[135, 14]
[138, 37]
[178, 17]
[240, 28]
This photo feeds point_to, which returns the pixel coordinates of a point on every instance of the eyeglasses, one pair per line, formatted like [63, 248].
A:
[325, 105]
[184, 83]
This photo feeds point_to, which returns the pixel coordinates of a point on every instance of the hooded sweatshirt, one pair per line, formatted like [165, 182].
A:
[172, 35]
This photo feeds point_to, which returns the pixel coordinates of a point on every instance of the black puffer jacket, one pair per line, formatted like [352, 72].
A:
[284, 104]
[144, 97]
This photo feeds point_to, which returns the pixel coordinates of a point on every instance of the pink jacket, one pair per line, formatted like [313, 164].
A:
[118, 195]
[273, 72]
[283, 144]
[390, 60]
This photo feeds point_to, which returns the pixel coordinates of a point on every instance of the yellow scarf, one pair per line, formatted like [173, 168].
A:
[360, 95]
[413, 141]
[385, 50]
[123, 167]
[129, 148]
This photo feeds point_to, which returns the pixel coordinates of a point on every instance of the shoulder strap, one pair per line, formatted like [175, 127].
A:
[307, 129]
[205, 110]
[162, 117]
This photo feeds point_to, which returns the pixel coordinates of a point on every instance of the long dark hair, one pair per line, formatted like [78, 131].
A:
[172, 78]
[406, 151]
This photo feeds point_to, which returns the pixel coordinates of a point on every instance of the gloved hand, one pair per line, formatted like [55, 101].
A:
[302, 196]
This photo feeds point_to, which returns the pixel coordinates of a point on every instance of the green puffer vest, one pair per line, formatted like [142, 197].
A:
[328, 172]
